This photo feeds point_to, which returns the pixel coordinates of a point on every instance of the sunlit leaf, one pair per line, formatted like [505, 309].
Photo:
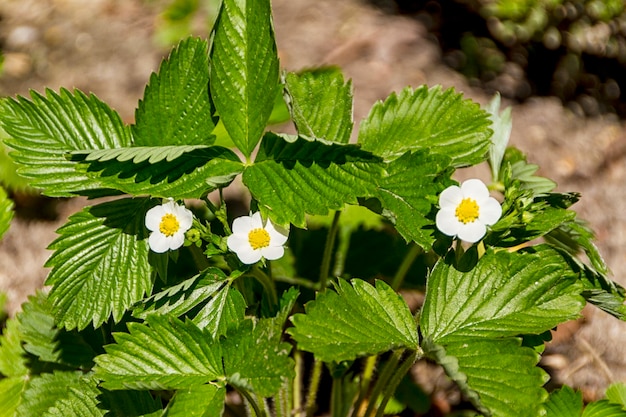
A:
[43, 391]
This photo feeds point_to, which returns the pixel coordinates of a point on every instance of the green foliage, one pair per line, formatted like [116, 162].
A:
[6, 212]
[111, 339]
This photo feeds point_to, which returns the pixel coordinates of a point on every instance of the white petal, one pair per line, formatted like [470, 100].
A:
[447, 222]
[248, 255]
[475, 189]
[242, 225]
[185, 217]
[490, 211]
[278, 235]
[257, 220]
[273, 252]
[158, 242]
[177, 240]
[153, 218]
[238, 243]
[170, 206]
[472, 232]
[450, 197]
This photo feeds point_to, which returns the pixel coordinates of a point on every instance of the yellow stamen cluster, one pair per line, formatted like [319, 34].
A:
[259, 238]
[467, 211]
[169, 225]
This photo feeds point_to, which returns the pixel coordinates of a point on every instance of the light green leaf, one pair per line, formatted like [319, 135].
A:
[48, 343]
[78, 401]
[358, 320]
[9, 177]
[256, 359]
[223, 312]
[244, 70]
[100, 264]
[564, 402]
[176, 108]
[501, 125]
[43, 391]
[181, 298]
[290, 178]
[321, 104]
[6, 211]
[169, 354]
[11, 391]
[505, 294]
[497, 375]
[44, 129]
[177, 172]
[603, 408]
[616, 394]
[427, 119]
[12, 355]
[199, 401]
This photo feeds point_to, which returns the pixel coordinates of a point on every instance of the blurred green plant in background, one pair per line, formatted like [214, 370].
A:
[181, 18]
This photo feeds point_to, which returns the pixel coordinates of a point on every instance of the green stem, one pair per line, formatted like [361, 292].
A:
[413, 252]
[316, 377]
[257, 410]
[303, 282]
[267, 283]
[366, 380]
[395, 380]
[297, 385]
[342, 250]
[328, 251]
[383, 379]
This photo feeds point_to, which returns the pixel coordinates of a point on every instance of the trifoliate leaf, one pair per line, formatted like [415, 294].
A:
[176, 108]
[616, 394]
[244, 70]
[43, 391]
[169, 354]
[172, 171]
[564, 402]
[44, 129]
[501, 125]
[497, 375]
[12, 355]
[427, 119]
[11, 390]
[320, 102]
[358, 320]
[256, 359]
[100, 264]
[223, 312]
[6, 212]
[505, 294]
[293, 177]
[179, 299]
[198, 401]
[48, 343]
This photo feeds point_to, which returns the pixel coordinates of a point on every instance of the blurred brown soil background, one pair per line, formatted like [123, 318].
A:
[107, 47]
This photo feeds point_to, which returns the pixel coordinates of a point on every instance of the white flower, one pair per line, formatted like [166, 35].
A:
[466, 211]
[251, 240]
[168, 224]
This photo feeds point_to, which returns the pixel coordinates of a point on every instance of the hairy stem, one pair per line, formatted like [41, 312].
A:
[267, 283]
[383, 379]
[316, 377]
[328, 251]
[366, 380]
[297, 385]
[259, 412]
[413, 252]
[395, 380]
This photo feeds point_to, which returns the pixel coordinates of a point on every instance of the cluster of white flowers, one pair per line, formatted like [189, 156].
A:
[252, 239]
[466, 211]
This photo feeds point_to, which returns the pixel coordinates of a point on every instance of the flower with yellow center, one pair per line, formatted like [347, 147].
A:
[466, 211]
[252, 240]
[167, 224]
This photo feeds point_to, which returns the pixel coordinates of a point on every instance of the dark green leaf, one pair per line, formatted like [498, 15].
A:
[441, 122]
[244, 70]
[45, 129]
[199, 401]
[169, 354]
[176, 109]
[321, 104]
[357, 320]
[223, 312]
[100, 264]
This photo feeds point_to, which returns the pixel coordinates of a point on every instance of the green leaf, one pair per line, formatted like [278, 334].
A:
[181, 298]
[6, 212]
[169, 354]
[12, 355]
[502, 126]
[172, 171]
[430, 119]
[564, 402]
[321, 104]
[223, 312]
[616, 394]
[176, 108]
[44, 129]
[358, 320]
[43, 391]
[603, 408]
[100, 264]
[11, 391]
[497, 375]
[505, 294]
[198, 401]
[123, 403]
[294, 176]
[78, 401]
[244, 70]
[256, 359]
[9, 178]
[48, 343]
